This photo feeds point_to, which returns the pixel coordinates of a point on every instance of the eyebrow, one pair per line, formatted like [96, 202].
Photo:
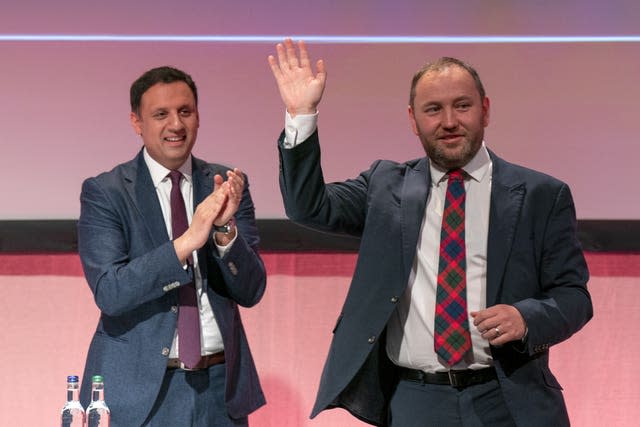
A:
[457, 99]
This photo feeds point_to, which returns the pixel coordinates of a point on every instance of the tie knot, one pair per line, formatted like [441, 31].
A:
[175, 177]
[456, 175]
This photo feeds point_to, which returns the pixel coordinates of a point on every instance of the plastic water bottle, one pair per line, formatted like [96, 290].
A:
[72, 412]
[98, 413]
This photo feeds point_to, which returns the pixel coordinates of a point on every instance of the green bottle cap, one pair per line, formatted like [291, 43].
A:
[97, 379]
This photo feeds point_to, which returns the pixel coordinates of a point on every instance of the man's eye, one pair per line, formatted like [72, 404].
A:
[432, 109]
[463, 106]
[185, 113]
[160, 115]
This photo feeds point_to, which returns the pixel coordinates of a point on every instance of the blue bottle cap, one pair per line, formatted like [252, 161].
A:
[72, 379]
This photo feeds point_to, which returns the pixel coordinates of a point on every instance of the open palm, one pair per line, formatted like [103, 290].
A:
[299, 88]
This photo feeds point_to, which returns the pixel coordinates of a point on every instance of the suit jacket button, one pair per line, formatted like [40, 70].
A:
[394, 299]
[372, 339]
[171, 286]
[174, 308]
[165, 351]
[232, 268]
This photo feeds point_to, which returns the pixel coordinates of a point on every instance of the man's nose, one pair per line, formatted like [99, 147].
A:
[449, 119]
[175, 121]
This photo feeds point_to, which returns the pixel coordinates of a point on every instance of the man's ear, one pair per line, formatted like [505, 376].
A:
[412, 120]
[135, 123]
[485, 111]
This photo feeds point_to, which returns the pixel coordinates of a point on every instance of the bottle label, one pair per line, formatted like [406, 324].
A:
[93, 419]
[67, 418]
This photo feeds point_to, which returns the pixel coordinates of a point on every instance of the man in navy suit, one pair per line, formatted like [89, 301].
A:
[525, 271]
[135, 265]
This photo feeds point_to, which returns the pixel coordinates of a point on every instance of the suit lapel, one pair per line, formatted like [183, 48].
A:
[415, 190]
[202, 181]
[202, 187]
[507, 195]
[139, 186]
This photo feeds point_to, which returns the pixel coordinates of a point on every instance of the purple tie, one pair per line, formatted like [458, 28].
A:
[188, 317]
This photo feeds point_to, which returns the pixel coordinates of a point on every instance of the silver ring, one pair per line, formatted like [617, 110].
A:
[497, 331]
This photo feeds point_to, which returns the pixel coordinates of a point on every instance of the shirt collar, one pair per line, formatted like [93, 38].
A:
[476, 169]
[159, 173]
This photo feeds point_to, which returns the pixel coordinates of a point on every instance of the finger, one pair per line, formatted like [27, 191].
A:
[291, 53]
[492, 334]
[217, 182]
[322, 73]
[275, 68]
[282, 57]
[219, 201]
[235, 172]
[481, 316]
[235, 177]
[496, 332]
[240, 176]
[235, 195]
[304, 55]
[235, 188]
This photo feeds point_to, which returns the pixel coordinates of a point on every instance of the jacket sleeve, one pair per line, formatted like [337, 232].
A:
[242, 269]
[120, 278]
[336, 207]
[564, 304]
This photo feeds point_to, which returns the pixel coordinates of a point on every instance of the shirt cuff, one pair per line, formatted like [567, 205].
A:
[223, 250]
[297, 129]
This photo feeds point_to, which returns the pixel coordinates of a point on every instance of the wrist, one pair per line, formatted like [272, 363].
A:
[302, 111]
[224, 239]
[183, 248]
[225, 228]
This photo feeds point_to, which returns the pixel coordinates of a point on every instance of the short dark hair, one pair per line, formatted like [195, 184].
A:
[439, 65]
[158, 75]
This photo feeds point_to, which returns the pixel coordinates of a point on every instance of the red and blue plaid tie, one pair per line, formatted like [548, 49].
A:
[451, 335]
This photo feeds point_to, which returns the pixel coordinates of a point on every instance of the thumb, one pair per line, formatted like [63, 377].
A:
[217, 182]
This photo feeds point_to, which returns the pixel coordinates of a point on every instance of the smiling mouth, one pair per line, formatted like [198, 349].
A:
[174, 138]
[449, 138]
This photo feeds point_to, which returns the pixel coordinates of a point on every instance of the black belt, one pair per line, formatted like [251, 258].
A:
[203, 363]
[456, 378]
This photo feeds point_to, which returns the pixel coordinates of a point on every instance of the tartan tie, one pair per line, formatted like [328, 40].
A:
[451, 335]
[188, 317]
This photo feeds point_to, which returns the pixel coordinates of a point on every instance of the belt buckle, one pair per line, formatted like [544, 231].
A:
[195, 368]
[184, 368]
[453, 378]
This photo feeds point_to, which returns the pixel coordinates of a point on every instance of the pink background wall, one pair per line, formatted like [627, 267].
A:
[48, 316]
[569, 109]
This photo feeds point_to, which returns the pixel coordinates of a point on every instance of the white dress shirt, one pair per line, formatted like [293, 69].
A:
[410, 330]
[210, 336]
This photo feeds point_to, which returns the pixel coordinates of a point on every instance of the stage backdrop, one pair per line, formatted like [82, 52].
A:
[48, 317]
[562, 78]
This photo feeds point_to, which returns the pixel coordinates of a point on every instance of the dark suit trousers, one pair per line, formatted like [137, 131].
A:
[424, 405]
[193, 398]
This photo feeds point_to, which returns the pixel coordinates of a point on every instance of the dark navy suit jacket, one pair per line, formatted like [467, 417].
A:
[134, 274]
[534, 262]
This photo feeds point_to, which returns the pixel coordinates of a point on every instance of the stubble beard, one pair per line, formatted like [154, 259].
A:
[449, 159]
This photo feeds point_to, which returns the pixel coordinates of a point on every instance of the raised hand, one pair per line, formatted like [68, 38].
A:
[299, 88]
